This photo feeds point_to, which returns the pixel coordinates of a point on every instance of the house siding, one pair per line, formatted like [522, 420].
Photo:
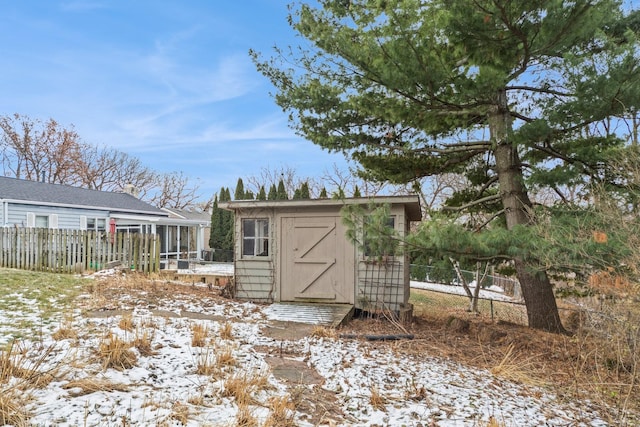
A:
[68, 218]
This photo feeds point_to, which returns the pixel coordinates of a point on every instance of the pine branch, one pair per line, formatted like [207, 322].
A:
[491, 198]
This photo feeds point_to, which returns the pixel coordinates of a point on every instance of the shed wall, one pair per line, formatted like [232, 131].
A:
[255, 276]
[375, 285]
[383, 284]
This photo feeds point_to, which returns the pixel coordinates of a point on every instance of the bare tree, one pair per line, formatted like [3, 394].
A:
[46, 151]
[40, 151]
[174, 191]
[287, 174]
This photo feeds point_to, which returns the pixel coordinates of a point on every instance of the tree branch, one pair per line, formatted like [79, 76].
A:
[491, 198]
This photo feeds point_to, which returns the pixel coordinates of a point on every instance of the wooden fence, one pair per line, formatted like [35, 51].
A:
[71, 251]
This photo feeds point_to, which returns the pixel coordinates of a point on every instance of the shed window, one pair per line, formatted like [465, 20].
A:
[384, 242]
[255, 237]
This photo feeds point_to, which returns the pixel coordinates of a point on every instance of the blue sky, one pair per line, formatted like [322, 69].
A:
[169, 82]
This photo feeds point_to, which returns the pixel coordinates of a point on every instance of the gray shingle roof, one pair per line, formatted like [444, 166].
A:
[56, 194]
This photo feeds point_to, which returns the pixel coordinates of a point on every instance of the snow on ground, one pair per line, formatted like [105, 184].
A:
[495, 293]
[164, 385]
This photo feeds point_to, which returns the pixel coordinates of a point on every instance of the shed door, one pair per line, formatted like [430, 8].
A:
[316, 260]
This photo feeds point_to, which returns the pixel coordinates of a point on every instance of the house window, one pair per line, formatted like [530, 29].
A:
[380, 242]
[42, 221]
[96, 224]
[255, 237]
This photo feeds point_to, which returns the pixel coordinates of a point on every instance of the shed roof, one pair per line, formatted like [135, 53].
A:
[42, 193]
[411, 203]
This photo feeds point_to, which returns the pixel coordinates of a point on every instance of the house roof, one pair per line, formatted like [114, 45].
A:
[190, 215]
[411, 203]
[42, 193]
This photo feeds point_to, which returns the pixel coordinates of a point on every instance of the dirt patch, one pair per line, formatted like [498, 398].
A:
[320, 406]
[279, 330]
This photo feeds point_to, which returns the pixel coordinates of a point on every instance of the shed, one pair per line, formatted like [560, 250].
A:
[298, 251]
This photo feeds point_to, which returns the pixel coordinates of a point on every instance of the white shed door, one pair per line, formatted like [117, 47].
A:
[317, 262]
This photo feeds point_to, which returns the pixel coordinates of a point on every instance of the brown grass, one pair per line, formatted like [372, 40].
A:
[225, 357]
[12, 409]
[206, 362]
[200, 335]
[126, 322]
[15, 362]
[377, 400]
[226, 331]
[516, 368]
[143, 341]
[241, 386]
[180, 413]
[86, 386]
[115, 353]
[66, 330]
[281, 412]
[323, 332]
[493, 422]
[244, 417]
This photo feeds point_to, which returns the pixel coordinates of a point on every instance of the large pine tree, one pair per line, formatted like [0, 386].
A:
[510, 93]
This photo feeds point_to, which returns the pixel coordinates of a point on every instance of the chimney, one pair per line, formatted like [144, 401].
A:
[130, 189]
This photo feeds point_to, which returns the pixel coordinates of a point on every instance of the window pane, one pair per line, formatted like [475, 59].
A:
[263, 247]
[248, 228]
[42, 221]
[248, 246]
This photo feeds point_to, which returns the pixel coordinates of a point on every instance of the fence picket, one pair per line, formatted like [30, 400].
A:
[68, 251]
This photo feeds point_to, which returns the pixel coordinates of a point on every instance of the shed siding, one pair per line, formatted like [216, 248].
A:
[384, 284]
[374, 285]
[254, 280]
[255, 276]
[68, 218]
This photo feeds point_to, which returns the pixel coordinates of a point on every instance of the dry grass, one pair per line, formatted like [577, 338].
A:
[226, 331]
[244, 417]
[200, 334]
[241, 386]
[206, 362]
[12, 409]
[32, 369]
[377, 400]
[180, 413]
[196, 400]
[225, 357]
[517, 368]
[89, 385]
[115, 353]
[143, 341]
[66, 330]
[493, 422]
[323, 332]
[281, 412]
[126, 322]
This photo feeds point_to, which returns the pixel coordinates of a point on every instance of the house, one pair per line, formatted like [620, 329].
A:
[187, 236]
[298, 251]
[35, 204]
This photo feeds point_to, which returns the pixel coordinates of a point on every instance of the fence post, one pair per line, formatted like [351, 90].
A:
[491, 304]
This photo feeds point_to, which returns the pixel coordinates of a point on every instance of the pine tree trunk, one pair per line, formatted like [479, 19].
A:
[542, 310]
